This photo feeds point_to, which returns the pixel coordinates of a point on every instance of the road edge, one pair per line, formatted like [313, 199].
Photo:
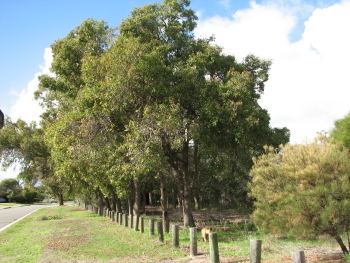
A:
[19, 219]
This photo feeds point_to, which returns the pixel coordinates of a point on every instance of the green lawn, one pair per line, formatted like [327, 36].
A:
[70, 234]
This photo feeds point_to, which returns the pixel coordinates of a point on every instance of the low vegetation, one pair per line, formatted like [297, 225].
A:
[79, 235]
[304, 191]
[76, 234]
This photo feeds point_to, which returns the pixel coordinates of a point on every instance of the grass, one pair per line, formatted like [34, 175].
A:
[72, 234]
[234, 245]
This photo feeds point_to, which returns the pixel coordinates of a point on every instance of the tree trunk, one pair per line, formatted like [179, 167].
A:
[164, 205]
[131, 198]
[341, 244]
[113, 200]
[108, 204]
[101, 204]
[60, 199]
[187, 207]
[118, 204]
[196, 179]
[181, 166]
[137, 203]
[150, 198]
[187, 195]
[143, 204]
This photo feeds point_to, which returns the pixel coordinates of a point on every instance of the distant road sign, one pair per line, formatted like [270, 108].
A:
[2, 119]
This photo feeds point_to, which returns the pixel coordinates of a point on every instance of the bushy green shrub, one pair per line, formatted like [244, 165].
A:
[303, 190]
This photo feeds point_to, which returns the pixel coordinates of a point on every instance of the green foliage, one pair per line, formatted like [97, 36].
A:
[303, 190]
[11, 190]
[24, 144]
[153, 103]
[341, 132]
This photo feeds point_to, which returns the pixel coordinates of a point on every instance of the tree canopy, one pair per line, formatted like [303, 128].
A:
[2, 119]
[341, 132]
[24, 144]
[151, 110]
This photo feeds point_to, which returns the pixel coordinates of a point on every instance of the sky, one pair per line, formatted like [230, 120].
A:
[307, 41]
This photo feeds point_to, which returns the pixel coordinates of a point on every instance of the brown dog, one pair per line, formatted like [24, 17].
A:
[205, 233]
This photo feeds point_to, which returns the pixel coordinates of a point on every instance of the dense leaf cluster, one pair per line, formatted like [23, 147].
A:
[149, 110]
[303, 190]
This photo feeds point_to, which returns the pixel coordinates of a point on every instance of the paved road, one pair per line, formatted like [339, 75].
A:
[7, 216]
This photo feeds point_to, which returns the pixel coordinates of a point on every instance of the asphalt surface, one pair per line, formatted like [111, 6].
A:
[7, 216]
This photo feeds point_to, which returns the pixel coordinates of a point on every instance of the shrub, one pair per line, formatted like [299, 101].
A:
[303, 190]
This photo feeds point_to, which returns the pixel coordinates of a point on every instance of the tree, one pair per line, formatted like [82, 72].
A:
[24, 144]
[341, 132]
[59, 92]
[183, 94]
[153, 106]
[2, 119]
[10, 189]
[303, 190]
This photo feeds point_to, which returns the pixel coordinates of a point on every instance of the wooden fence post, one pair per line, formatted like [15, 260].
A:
[255, 251]
[137, 222]
[193, 241]
[175, 235]
[166, 225]
[131, 223]
[121, 219]
[117, 217]
[113, 218]
[299, 256]
[160, 231]
[142, 224]
[151, 227]
[126, 220]
[214, 248]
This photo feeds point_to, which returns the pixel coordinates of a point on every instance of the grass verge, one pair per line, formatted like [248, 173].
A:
[70, 234]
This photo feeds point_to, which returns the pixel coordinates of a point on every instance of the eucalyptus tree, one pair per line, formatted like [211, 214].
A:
[154, 103]
[183, 93]
[59, 93]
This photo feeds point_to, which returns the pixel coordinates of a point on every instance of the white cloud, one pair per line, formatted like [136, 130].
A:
[308, 87]
[26, 107]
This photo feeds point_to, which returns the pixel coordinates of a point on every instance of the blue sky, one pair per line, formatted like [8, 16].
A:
[307, 41]
[27, 27]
